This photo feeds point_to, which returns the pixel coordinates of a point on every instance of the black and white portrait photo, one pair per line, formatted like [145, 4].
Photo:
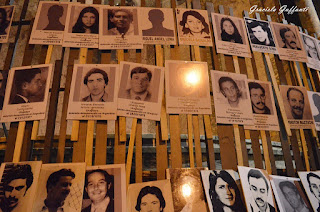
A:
[6, 16]
[230, 35]
[257, 189]
[187, 86]
[311, 185]
[260, 36]
[193, 27]
[120, 28]
[187, 190]
[289, 194]
[297, 106]
[288, 42]
[158, 26]
[222, 191]
[314, 98]
[18, 185]
[104, 189]
[312, 50]
[60, 187]
[153, 196]
[94, 86]
[231, 96]
[27, 88]
[3, 83]
[140, 85]
[82, 26]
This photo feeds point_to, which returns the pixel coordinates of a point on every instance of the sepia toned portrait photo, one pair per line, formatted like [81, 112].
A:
[6, 17]
[152, 196]
[256, 189]
[18, 185]
[314, 98]
[27, 93]
[120, 28]
[193, 27]
[312, 50]
[231, 98]
[230, 35]
[158, 26]
[311, 185]
[60, 187]
[289, 194]
[297, 107]
[222, 191]
[288, 42]
[187, 191]
[49, 23]
[187, 87]
[3, 83]
[260, 36]
[93, 94]
[104, 189]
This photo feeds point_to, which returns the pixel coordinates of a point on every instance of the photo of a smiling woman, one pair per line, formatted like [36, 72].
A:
[194, 25]
[224, 193]
[99, 188]
[87, 22]
[229, 31]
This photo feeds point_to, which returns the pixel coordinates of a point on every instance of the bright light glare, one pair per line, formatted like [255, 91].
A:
[186, 190]
[192, 77]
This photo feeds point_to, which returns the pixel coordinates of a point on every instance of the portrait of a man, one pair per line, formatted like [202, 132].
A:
[16, 181]
[258, 99]
[156, 17]
[150, 198]
[120, 22]
[55, 12]
[230, 90]
[316, 100]
[310, 47]
[295, 98]
[314, 186]
[289, 38]
[96, 81]
[260, 32]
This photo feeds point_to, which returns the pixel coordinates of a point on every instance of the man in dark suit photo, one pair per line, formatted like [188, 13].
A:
[289, 39]
[140, 78]
[258, 98]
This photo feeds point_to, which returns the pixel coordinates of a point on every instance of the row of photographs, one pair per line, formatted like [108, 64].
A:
[105, 91]
[74, 187]
[78, 25]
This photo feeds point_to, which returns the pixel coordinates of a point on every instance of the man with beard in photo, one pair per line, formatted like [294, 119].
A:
[296, 101]
[289, 39]
[258, 99]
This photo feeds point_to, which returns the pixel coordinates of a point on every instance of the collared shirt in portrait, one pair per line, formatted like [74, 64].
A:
[104, 98]
[114, 31]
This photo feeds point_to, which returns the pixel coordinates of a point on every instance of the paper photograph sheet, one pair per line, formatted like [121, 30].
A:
[140, 92]
[18, 185]
[3, 83]
[314, 98]
[6, 14]
[105, 187]
[26, 94]
[193, 27]
[230, 35]
[289, 194]
[60, 187]
[288, 42]
[187, 87]
[263, 106]
[222, 191]
[157, 26]
[312, 50]
[119, 28]
[297, 107]
[311, 185]
[260, 36]
[82, 26]
[49, 24]
[93, 94]
[150, 196]
[231, 98]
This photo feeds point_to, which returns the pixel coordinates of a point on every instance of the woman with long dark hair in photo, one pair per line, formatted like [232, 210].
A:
[229, 31]
[88, 21]
[194, 25]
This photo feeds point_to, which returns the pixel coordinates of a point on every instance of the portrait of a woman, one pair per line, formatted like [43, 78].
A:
[87, 22]
[194, 25]
[229, 31]
[224, 193]
[99, 189]
[150, 198]
[4, 23]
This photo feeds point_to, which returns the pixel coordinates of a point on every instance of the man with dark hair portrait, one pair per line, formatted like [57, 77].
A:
[16, 181]
[121, 22]
[29, 86]
[310, 47]
[258, 99]
[140, 82]
[316, 101]
[55, 12]
[259, 190]
[291, 193]
[314, 186]
[296, 101]
[150, 198]
[229, 88]
[289, 38]
[96, 81]
[58, 188]
[260, 33]
[156, 17]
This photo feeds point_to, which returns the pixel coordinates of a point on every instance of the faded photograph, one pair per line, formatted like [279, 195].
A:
[3, 83]
[311, 185]
[6, 14]
[193, 24]
[52, 16]
[120, 22]
[311, 47]
[87, 21]
[157, 18]
[287, 36]
[260, 100]
[229, 31]
[314, 98]
[259, 32]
